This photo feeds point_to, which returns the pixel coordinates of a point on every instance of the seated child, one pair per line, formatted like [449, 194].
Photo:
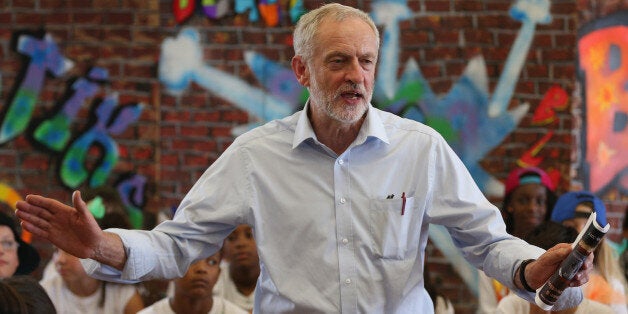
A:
[606, 283]
[239, 276]
[545, 236]
[73, 291]
[193, 292]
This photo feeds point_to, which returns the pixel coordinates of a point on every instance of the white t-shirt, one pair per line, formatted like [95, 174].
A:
[512, 304]
[66, 302]
[443, 306]
[226, 288]
[221, 306]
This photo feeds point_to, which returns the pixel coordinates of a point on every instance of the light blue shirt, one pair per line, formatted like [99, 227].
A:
[332, 231]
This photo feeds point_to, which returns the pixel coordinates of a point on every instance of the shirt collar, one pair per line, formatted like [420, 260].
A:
[372, 127]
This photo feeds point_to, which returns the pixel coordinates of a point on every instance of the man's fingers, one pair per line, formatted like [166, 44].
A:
[79, 204]
[28, 211]
[45, 203]
[34, 229]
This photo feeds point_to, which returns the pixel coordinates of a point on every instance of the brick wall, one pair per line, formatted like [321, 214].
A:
[177, 137]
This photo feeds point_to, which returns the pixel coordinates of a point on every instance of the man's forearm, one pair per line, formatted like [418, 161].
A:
[111, 252]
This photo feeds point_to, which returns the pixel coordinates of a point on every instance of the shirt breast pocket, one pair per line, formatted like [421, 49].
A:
[394, 235]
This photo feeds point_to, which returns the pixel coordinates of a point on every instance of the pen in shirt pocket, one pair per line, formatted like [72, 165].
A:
[403, 203]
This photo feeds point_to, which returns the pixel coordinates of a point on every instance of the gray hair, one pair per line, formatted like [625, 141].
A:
[307, 26]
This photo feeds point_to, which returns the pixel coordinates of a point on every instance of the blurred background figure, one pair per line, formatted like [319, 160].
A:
[239, 274]
[16, 256]
[546, 235]
[193, 293]
[528, 199]
[23, 294]
[73, 291]
[442, 304]
[607, 283]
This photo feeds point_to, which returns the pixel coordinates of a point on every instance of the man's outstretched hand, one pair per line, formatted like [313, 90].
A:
[539, 271]
[72, 229]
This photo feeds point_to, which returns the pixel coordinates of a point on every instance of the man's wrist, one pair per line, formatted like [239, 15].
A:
[521, 275]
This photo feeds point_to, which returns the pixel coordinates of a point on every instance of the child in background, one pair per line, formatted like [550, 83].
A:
[545, 236]
[193, 292]
[607, 283]
[239, 276]
[528, 200]
[73, 291]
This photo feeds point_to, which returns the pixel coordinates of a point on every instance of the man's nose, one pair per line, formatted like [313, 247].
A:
[354, 73]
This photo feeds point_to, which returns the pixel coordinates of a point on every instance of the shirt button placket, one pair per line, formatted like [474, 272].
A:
[344, 228]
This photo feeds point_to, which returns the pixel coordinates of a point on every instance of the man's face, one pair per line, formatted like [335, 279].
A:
[341, 73]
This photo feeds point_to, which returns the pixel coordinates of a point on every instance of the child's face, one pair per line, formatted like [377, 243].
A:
[578, 222]
[528, 207]
[200, 278]
[68, 266]
[240, 249]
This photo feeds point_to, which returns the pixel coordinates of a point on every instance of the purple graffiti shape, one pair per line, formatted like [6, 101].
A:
[132, 190]
[110, 120]
[44, 56]
[54, 132]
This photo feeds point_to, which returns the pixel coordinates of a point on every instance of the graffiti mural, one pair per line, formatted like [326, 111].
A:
[603, 69]
[132, 190]
[44, 57]
[108, 119]
[270, 11]
[53, 133]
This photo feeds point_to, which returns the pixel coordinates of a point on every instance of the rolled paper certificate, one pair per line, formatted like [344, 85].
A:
[586, 242]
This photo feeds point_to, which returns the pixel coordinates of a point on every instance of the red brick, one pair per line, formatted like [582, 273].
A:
[138, 70]
[467, 6]
[477, 36]
[564, 71]
[24, 4]
[220, 131]
[559, 54]
[147, 19]
[87, 18]
[52, 4]
[437, 6]
[193, 131]
[88, 34]
[447, 37]
[453, 22]
[117, 35]
[235, 116]
[144, 53]
[414, 37]
[105, 4]
[6, 17]
[195, 161]
[440, 53]
[147, 36]
[536, 70]
[30, 18]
